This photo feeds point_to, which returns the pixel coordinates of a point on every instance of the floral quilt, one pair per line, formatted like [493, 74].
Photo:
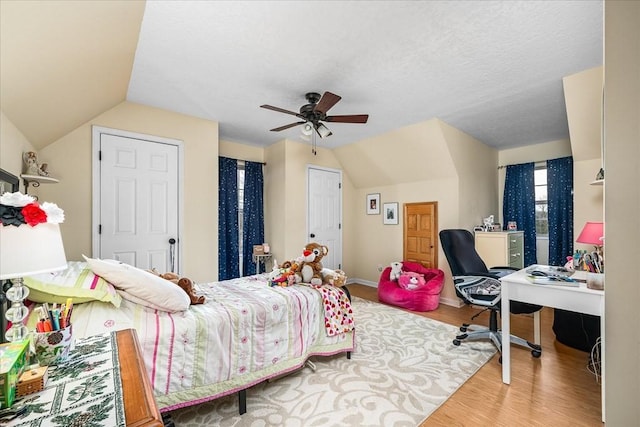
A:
[245, 332]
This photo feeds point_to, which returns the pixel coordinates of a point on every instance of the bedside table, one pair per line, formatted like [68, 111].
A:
[93, 387]
[139, 404]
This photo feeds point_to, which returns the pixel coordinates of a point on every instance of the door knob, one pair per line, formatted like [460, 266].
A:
[312, 235]
[172, 241]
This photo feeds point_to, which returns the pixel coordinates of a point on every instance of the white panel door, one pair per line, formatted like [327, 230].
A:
[324, 213]
[139, 202]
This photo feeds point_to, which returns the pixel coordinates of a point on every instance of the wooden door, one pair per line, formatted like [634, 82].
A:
[421, 233]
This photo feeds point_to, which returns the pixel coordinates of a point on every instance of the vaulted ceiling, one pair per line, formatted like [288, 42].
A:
[492, 69]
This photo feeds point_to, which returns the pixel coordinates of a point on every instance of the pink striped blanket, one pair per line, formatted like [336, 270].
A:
[245, 333]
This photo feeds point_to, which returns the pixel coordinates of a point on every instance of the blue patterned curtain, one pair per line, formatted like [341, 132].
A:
[253, 222]
[228, 262]
[519, 205]
[560, 199]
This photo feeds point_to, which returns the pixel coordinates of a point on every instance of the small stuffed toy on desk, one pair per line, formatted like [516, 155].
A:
[310, 270]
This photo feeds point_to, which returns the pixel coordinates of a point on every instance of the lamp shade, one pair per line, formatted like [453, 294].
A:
[592, 233]
[307, 128]
[27, 250]
[323, 131]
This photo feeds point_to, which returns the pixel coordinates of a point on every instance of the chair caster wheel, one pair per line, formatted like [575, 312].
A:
[461, 336]
[463, 329]
[456, 342]
[500, 360]
[536, 353]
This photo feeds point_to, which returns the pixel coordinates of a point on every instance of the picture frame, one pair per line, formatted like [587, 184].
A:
[373, 204]
[390, 213]
[8, 182]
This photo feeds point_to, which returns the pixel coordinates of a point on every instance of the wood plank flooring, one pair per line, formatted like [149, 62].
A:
[555, 390]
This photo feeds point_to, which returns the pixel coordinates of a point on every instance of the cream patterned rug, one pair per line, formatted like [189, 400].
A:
[404, 367]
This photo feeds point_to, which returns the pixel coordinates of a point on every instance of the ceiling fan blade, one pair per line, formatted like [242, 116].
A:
[353, 118]
[281, 110]
[286, 126]
[327, 101]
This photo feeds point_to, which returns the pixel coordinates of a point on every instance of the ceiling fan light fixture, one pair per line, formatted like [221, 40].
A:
[323, 131]
[307, 129]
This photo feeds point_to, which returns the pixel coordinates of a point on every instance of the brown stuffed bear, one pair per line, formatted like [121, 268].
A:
[187, 286]
[184, 283]
[310, 269]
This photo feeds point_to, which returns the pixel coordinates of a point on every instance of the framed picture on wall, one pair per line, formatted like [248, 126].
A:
[8, 182]
[390, 213]
[373, 204]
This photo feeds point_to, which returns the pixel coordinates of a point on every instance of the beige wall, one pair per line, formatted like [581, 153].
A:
[70, 161]
[622, 210]
[426, 162]
[12, 144]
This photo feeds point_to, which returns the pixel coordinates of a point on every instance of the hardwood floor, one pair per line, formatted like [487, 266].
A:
[555, 390]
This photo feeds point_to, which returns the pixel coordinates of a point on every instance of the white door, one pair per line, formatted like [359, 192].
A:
[137, 212]
[324, 212]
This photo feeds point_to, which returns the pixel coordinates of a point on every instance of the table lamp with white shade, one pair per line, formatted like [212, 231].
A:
[30, 243]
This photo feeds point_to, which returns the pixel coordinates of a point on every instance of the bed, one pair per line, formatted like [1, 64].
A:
[246, 332]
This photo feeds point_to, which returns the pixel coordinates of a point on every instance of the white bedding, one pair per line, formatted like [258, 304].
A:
[246, 332]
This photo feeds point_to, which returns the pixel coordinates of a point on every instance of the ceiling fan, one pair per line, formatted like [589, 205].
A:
[315, 112]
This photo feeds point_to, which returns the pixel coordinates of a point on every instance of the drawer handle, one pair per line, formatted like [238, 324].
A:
[513, 241]
[515, 255]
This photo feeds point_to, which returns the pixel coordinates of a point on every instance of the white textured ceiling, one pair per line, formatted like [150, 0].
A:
[493, 69]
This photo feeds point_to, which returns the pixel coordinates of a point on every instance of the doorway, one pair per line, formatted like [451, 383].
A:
[137, 199]
[324, 212]
[420, 236]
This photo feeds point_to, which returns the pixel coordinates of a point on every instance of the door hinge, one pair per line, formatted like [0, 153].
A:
[100, 155]
[339, 226]
[99, 228]
[339, 185]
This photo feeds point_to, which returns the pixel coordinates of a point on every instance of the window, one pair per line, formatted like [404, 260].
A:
[542, 206]
[240, 209]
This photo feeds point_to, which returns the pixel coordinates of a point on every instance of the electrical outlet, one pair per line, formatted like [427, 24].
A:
[380, 267]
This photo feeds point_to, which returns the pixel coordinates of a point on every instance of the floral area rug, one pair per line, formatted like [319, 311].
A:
[403, 368]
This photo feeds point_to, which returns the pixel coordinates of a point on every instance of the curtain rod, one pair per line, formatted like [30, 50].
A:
[241, 160]
[540, 163]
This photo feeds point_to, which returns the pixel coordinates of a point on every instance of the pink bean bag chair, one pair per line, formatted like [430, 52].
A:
[426, 297]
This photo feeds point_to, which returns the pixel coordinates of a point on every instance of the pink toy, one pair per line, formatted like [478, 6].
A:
[424, 298]
[411, 280]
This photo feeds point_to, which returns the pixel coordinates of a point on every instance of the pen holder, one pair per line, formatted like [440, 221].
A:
[53, 347]
[595, 281]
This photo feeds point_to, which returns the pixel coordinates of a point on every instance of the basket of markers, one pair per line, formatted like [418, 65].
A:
[53, 338]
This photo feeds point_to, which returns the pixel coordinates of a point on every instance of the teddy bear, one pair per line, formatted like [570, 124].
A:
[310, 269]
[411, 281]
[334, 277]
[396, 270]
[184, 283]
[187, 286]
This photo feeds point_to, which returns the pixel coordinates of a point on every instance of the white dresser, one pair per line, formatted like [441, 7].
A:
[501, 248]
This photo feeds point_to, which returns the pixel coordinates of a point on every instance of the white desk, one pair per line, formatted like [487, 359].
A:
[516, 287]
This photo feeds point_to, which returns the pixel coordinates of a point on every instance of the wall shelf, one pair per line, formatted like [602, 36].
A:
[36, 180]
[598, 182]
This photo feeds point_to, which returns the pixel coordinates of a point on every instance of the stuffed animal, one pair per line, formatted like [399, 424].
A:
[310, 270]
[185, 283]
[283, 275]
[334, 277]
[411, 281]
[396, 270]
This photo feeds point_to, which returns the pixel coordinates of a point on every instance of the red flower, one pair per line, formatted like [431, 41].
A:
[33, 214]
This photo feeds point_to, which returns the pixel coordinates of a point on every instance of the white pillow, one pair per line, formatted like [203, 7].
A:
[141, 287]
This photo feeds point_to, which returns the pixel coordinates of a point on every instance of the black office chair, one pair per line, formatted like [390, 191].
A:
[478, 285]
